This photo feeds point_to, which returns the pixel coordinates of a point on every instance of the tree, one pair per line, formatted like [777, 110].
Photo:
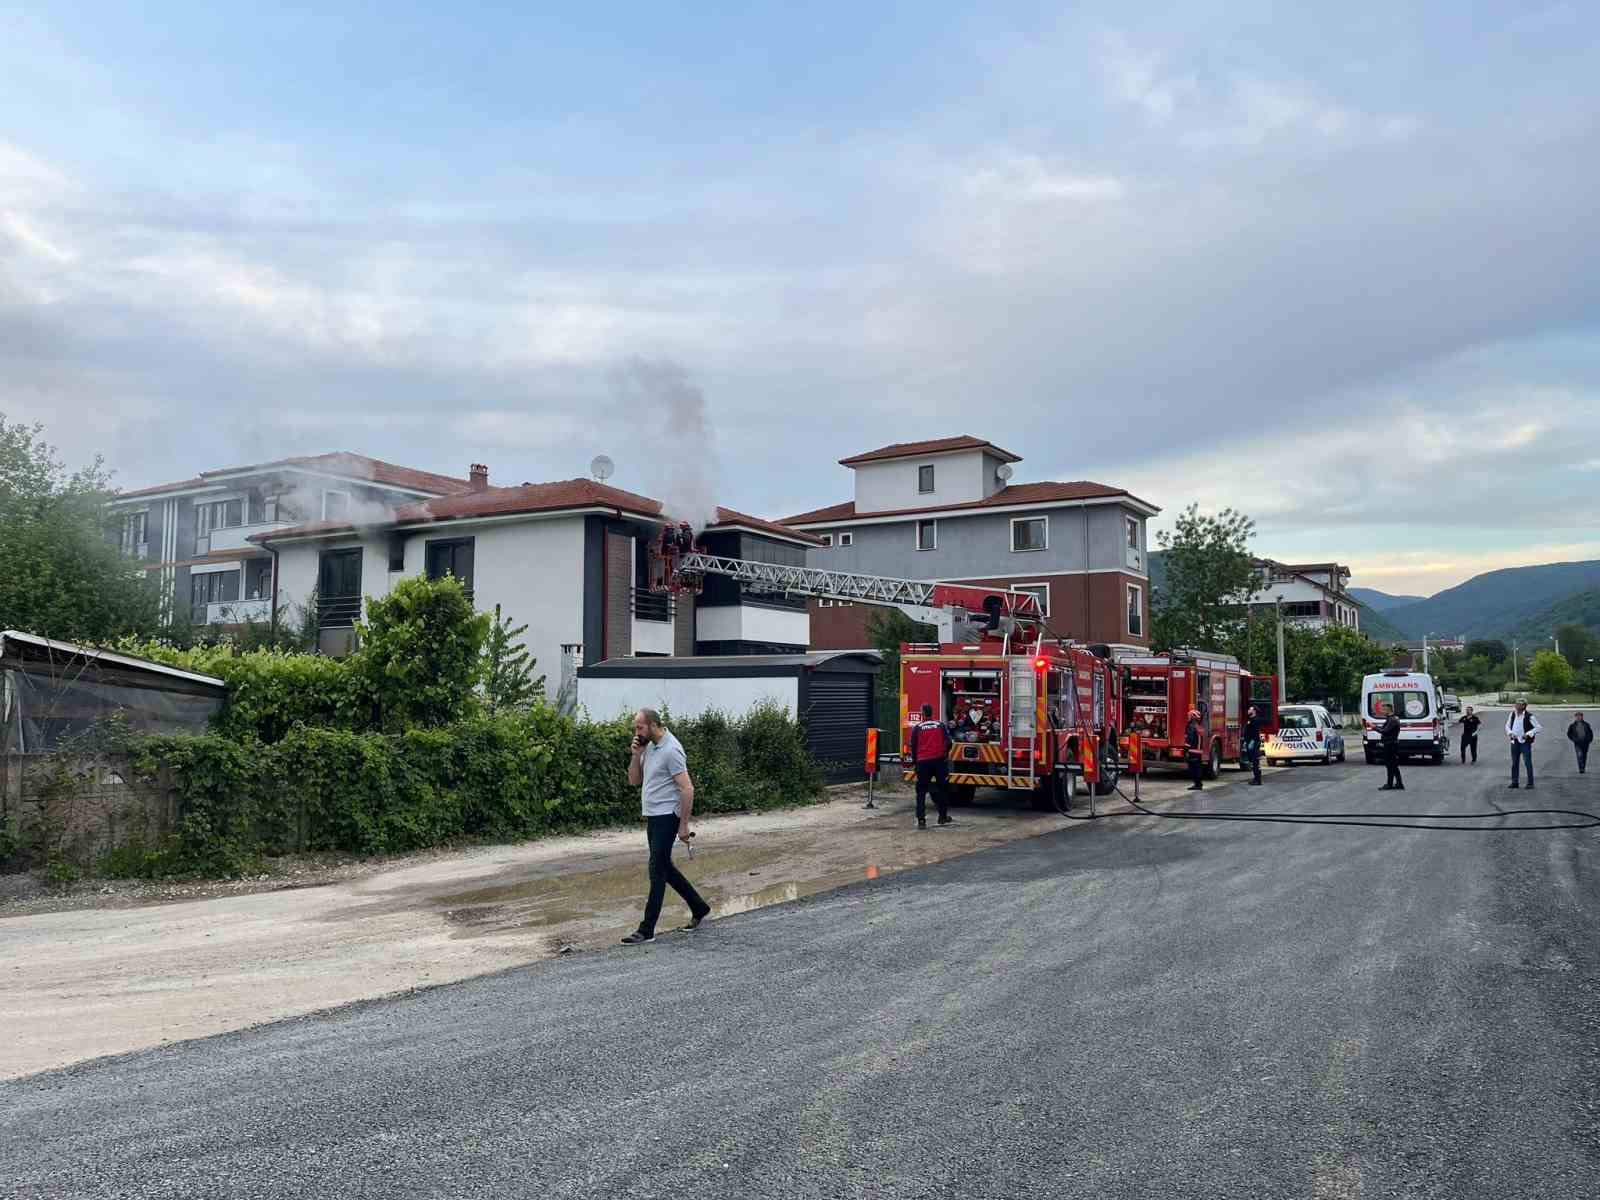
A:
[508, 679]
[1578, 645]
[1210, 575]
[1550, 674]
[1333, 663]
[887, 629]
[60, 575]
[1492, 649]
[421, 652]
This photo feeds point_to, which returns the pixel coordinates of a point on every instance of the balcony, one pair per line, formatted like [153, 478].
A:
[231, 612]
[651, 606]
[234, 538]
[335, 612]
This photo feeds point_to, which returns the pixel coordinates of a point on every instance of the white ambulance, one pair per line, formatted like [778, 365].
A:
[1419, 704]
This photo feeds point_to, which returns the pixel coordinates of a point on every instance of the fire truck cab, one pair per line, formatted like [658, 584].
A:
[1159, 690]
[1017, 721]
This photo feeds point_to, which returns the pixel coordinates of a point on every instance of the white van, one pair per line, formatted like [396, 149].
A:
[1418, 703]
[1306, 733]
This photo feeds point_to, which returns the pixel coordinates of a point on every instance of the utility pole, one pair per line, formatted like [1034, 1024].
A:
[1283, 677]
[1514, 665]
[1425, 670]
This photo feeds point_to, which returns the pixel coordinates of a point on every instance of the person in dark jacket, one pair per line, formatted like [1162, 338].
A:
[1469, 723]
[930, 757]
[1191, 751]
[1580, 733]
[1390, 736]
[1250, 745]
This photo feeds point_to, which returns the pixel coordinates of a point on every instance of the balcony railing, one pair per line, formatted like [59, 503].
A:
[651, 606]
[334, 612]
[233, 537]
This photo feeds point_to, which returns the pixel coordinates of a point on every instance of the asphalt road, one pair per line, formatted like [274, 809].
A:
[1135, 1008]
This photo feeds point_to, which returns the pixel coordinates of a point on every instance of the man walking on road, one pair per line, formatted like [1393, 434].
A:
[1469, 723]
[1191, 751]
[1250, 745]
[1522, 727]
[930, 758]
[1580, 733]
[660, 770]
[1389, 734]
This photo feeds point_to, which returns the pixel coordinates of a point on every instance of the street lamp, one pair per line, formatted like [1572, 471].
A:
[1593, 697]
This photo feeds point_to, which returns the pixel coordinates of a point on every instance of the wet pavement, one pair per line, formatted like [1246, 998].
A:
[83, 983]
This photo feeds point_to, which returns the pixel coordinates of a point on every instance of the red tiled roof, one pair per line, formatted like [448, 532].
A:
[937, 446]
[340, 462]
[727, 516]
[359, 466]
[1017, 493]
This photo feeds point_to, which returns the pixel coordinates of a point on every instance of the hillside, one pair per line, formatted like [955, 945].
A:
[1382, 601]
[1496, 603]
[1377, 626]
[1581, 608]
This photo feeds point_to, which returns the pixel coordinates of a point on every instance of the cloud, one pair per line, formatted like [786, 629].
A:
[1140, 78]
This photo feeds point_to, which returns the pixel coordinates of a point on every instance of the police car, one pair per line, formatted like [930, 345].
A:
[1306, 733]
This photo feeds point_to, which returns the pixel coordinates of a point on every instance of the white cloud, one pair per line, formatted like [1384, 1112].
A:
[1139, 78]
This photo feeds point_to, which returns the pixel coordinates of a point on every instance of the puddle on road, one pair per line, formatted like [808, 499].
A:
[597, 904]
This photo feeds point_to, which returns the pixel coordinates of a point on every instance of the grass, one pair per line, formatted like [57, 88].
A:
[1577, 700]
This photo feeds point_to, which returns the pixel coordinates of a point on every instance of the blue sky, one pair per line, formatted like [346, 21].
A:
[1334, 267]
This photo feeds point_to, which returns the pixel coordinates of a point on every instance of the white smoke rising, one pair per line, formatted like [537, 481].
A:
[679, 450]
[306, 501]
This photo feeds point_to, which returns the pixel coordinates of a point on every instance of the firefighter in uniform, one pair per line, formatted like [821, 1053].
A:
[1250, 745]
[1191, 751]
[930, 756]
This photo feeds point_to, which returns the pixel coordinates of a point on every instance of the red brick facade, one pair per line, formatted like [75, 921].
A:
[1086, 608]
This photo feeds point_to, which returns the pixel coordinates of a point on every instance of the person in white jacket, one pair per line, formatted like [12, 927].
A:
[1522, 727]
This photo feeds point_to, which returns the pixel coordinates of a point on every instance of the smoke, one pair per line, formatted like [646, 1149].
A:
[680, 454]
[306, 502]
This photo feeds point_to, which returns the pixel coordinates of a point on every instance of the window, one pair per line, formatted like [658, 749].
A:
[1133, 556]
[847, 539]
[1297, 718]
[220, 514]
[451, 556]
[1041, 590]
[136, 534]
[1409, 704]
[1133, 532]
[258, 578]
[827, 539]
[1302, 608]
[1135, 610]
[1029, 533]
[335, 505]
[339, 588]
[928, 534]
[925, 478]
[213, 587]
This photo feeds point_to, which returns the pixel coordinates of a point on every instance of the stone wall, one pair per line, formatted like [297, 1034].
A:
[76, 807]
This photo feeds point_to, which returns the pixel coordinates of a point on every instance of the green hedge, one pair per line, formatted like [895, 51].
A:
[508, 777]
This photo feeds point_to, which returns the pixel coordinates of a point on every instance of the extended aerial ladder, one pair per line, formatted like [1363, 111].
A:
[960, 612]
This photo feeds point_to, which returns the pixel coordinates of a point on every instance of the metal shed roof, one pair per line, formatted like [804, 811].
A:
[108, 657]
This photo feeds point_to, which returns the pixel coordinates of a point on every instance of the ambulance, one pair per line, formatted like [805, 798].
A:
[1419, 704]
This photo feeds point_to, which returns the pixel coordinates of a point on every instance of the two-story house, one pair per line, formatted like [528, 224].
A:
[194, 535]
[568, 559]
[1314, 595]
[948, 510]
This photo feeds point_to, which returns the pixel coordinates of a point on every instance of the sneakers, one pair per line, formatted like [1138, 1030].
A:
[636, 938]
[694, 922]
[922, 824]
[1511, 787]
[1195, 787]
[947, 819]
[1388, 787]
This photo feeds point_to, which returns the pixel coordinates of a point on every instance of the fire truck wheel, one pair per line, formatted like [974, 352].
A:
[1214, 764]
[1107, 783]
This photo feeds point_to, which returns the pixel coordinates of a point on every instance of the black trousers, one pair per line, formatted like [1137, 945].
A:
[1583, 755]
[1196, 771]
[935, 777]
[1391, 763]
[1469, 741]
[1253, 758]
[661, 832]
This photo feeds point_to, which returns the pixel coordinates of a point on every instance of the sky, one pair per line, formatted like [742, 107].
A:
[1338, 268]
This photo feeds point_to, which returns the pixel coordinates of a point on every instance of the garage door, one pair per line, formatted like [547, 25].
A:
[839, 710]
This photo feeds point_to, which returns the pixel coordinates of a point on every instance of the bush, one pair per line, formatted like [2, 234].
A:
[420, 653]
[514, 776]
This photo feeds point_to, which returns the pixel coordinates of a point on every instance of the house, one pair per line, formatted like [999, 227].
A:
[569, 559]
[947, 510]
[1314, 595]
[194, 535]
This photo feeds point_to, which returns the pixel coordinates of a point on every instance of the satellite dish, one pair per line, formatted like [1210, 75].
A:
[602, 468]
[1003, 472]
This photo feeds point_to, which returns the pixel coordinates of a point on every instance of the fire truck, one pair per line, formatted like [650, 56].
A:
[1158, 690]
[1025, 708]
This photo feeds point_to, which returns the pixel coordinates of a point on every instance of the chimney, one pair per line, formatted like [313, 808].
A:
[479, 474]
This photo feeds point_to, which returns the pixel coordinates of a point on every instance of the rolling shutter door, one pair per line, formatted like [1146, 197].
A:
[838, 712]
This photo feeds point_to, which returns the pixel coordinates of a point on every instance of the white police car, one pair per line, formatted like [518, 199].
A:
[1306, 733]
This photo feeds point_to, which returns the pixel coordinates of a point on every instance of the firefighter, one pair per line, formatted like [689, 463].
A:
[930, 756]
[1389, 735]
[1250, 745]
[1191, 751]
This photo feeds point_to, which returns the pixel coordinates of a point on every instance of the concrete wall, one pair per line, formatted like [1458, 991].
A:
[749, 623]
[957, 478]
[978, 545]
[606, 698]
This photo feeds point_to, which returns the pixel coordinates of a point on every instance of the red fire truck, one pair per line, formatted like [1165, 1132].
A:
[1024, 707]
[1159, 690]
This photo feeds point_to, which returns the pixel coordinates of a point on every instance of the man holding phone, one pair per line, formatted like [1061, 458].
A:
[659, 768]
